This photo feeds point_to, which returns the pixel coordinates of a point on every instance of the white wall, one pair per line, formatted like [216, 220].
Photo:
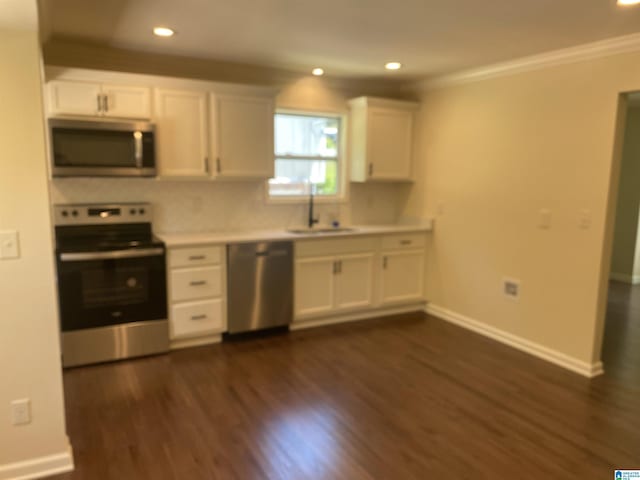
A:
[29, 348]
[496, 151]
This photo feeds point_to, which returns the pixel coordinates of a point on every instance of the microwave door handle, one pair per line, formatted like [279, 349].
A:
[137, 148]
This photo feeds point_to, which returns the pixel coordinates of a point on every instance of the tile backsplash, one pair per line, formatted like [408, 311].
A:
[201, 206]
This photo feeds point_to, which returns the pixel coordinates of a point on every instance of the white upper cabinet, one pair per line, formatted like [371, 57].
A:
[242, 136]
[381, 139]
[181, 133]
[126, 102]
[97, 99]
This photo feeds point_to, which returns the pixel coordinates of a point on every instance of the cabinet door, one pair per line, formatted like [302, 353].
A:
[314, 286]
[181, 133]
[402, 277]
[389, 144]
[74, 98]
[242, 136]
[126, 102]
[354, 288]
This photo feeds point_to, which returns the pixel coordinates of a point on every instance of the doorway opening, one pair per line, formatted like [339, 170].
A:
[621, 336]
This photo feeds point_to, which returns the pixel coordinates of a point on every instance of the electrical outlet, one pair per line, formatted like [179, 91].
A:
[21, 411]
[511, 288]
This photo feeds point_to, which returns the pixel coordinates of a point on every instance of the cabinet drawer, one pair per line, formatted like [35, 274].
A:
[196, 318]
[334, 246]
[193, 283]
[406, 241]
[194, 256]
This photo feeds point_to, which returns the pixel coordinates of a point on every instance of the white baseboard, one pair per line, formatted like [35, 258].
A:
[532, 348]
[195, 342]
[625, 278]
[352, 317]
[38, 467]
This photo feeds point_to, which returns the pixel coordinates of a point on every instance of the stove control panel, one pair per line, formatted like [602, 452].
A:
[97, 214]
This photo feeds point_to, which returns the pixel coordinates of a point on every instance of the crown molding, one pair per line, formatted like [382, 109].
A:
[580, 53]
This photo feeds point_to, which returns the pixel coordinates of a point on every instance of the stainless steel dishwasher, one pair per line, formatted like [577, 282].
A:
[259, 285]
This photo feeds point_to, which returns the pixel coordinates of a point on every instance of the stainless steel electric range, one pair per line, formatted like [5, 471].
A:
[111, 283]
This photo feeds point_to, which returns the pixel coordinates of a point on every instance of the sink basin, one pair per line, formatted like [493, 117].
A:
[320, 230]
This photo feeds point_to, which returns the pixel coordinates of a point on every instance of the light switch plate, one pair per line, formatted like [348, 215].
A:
[21, 411]
[9, 246]
[585, 219]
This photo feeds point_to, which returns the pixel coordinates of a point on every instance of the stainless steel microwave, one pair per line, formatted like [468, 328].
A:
[84, 148]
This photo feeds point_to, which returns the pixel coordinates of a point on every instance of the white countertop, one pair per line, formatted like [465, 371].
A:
[246, 236]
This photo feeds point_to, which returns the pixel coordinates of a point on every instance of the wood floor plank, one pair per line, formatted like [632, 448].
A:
[404, 397]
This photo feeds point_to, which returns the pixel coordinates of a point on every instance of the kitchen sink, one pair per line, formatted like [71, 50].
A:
[312, 231]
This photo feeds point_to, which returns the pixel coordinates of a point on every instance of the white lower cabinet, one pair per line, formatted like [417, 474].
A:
[195, 283]
[354, 282]
[402, 276]
[315, 286]
[330, 284]
[333, 275]
[197, 294]
[196, 318]
[337, 277]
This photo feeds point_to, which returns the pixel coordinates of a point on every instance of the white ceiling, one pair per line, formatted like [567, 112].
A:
[346, 37]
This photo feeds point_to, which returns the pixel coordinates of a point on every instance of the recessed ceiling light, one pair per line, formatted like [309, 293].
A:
[397, 65]
[163, 32]
[318, 71]
[628, 2]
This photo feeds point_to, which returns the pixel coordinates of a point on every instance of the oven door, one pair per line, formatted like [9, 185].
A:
[99, 289]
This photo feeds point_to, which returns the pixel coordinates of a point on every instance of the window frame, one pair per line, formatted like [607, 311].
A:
[343, 194]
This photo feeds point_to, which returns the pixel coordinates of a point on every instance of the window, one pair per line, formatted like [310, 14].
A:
[307, 155]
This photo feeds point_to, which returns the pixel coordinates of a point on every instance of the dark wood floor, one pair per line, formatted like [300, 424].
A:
[397, 398]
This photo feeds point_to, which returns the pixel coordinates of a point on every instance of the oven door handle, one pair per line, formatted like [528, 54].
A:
[112, 255]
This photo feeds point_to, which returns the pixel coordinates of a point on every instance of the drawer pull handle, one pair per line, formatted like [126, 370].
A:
[197, 257]
[198, 317]
[405, 242]
[198, 283]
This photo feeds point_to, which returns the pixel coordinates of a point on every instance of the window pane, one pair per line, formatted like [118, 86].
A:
[303, 135]
[295, 177]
